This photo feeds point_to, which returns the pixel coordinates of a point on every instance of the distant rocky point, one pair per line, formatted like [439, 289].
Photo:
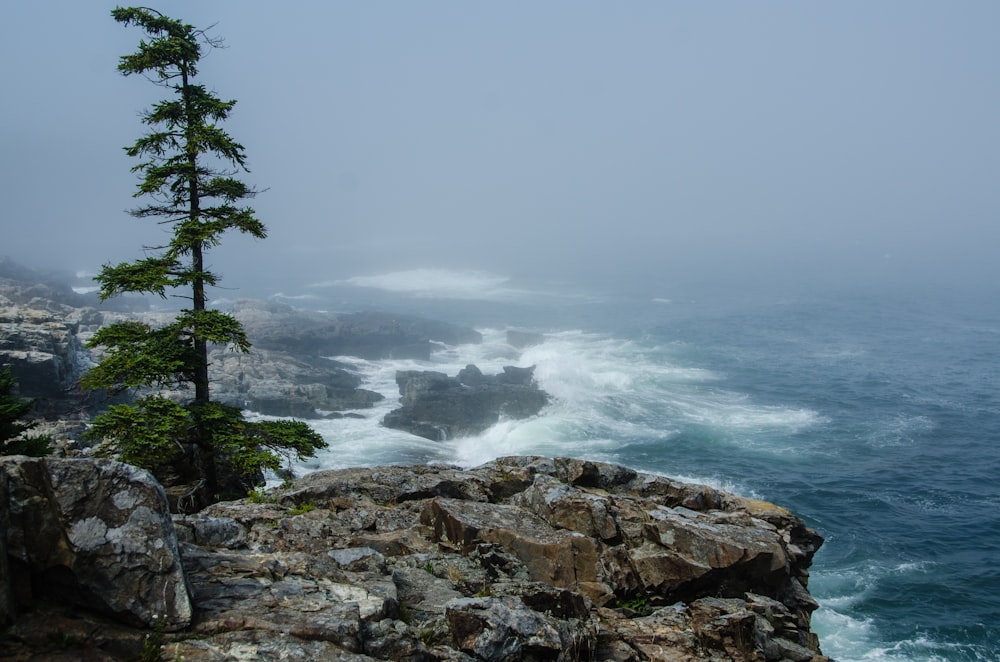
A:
[44, 326]
[367, 335]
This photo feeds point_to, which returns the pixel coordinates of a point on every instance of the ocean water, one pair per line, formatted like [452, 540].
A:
[875, 417]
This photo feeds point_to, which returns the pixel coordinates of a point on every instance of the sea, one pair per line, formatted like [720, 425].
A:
[874, 416]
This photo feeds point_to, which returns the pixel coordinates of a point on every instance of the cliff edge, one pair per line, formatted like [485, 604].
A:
[523, 558]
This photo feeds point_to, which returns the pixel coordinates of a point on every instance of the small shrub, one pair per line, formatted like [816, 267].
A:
[303, 508]
[260, 495]
[638, 604]
[152, 643]
[32, 446]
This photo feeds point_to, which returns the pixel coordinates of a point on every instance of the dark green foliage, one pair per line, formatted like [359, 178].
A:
[149, 433]
[13, 441]
[139, 355]
[250, 446]
[12, 408]
[186, 167]
[38, 445]
[152, 432]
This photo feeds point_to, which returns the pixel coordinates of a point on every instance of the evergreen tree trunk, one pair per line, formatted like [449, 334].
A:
[201, 388]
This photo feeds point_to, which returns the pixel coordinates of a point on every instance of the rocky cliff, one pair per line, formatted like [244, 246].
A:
[524, 558]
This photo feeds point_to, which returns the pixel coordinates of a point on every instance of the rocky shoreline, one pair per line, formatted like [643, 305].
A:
[524, 558]
[44, 327]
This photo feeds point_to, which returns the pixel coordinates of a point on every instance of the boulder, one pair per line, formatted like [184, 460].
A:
[96, 534]
[505, 630]
[439, 407]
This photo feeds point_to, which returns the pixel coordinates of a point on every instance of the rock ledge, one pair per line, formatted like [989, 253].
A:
[524, 558]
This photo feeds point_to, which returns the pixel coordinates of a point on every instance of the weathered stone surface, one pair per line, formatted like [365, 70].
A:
[257, 646]
[566, 507]
[559, 558]
[97, 534]
[523, 558]
[439, 407]
[388, 485]
[43, 348]
[505, 630]
[278, 384]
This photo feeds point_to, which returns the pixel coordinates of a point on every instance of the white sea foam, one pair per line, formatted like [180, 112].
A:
[845, 638]
[899, 430]
[437, 283]
[603, 390]
[851, 639]
[458, 285]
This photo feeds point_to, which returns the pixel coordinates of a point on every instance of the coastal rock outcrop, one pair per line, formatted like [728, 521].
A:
[368, 335]
[40, 341]
[439, 407]
[279, 384]
[523, 558]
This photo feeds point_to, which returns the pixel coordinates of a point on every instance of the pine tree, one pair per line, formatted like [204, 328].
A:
[13, 440]
[187, 166]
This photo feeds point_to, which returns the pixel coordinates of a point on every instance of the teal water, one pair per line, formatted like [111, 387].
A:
[875, 418]
[900, 470]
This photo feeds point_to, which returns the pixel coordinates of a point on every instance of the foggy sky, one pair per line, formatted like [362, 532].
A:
[560, 140]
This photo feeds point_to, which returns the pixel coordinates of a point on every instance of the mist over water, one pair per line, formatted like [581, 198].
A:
[761, 242]
[873, 415]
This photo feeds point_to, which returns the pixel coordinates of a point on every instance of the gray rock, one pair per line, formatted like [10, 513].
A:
[223, 532]
[439, 407]
[358, 558]
[503, 630]
[278, 384]
[45, 353]
[97, 534]
[258, 646]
